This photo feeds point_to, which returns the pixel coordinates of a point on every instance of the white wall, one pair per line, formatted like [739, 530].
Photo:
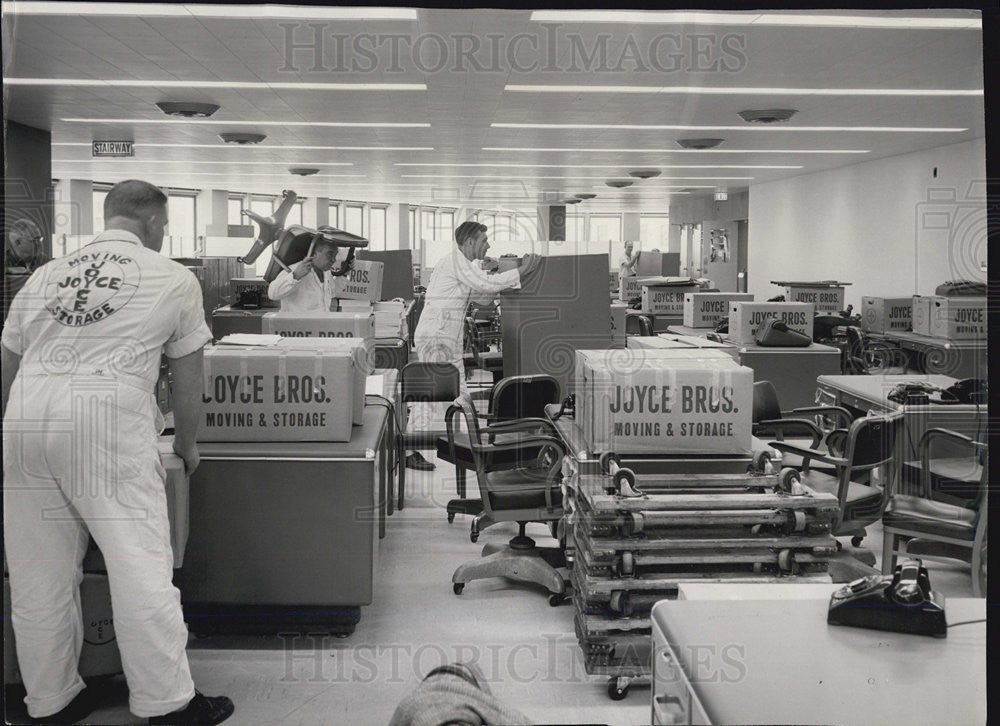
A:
[887, 226]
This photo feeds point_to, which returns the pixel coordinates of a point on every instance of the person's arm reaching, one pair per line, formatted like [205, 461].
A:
[186, 375]
[286, 281]
[10, 361]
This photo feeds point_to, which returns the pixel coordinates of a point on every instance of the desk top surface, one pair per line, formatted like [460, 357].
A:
[932, 342]
[876, 388]
[778, 661]
[812, 348]
[363, 444]
[685, 330]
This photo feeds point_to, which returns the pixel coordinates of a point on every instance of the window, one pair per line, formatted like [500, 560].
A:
[446, 226]
[414, 237]
[233, 215]
[334, 215]
[354, 219]
[294, 215]
[605, 227]
[262, 206]
[376, 232]
[99, 195]
[654, 231]
[576, 228]
[181, 234]
[436, 234]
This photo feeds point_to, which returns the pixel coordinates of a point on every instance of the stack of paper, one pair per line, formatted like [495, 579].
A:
[354, 306]
[390, 319]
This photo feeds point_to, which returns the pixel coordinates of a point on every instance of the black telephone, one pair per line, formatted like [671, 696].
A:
[902, 602]
[970, 390]
[919, 393]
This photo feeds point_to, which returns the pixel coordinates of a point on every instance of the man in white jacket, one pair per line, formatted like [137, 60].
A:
[458, 279]
[307, 288]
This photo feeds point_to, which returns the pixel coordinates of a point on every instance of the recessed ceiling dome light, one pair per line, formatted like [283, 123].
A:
[699, 143]
[644, 173]
[187, 109]
[303, 170]
[768, 115]
[242, 137]
[619, 183]
[572, 201]
[585, 195]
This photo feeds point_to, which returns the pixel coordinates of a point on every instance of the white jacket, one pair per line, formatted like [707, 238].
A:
[455, 282]
[307, 295]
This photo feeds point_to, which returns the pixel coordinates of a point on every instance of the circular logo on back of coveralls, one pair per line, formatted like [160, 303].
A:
[91, 286]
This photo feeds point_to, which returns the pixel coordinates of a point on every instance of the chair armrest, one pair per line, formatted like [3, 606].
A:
[521, 424]
[807, 454]
[924, 447]
[842, 416]
[779, 425]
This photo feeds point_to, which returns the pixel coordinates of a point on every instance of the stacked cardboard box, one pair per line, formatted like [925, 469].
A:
[825, 297]
[665, 296]
[746, 318]
[886, 314]
[319, 325]
[708, 309]
[363, 282]
[954, 318]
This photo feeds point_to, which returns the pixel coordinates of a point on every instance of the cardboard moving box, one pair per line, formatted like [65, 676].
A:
[361, 350]
[661, 298]
[664, 402]
[708, 309]
[277, 394]
[886, 314]
[745, 318]
[630, 287]
[99, 655]
[958, 318]
[921, 314]
[319, 325]
[669, 341]
[825, 298]
[364, 282]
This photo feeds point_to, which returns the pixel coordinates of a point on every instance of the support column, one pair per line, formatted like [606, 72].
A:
[75, 208]
[552, 222]
[399, 231]
[212, 212]
[316, 212]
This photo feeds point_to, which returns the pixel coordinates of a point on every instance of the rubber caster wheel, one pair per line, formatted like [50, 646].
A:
[451, 517]
[457, 587]
[556, 600]
[787, 479]
[787, 563]
[856, 541]
[474, 537]
[840, 545]
[761, 459]
[617, 689]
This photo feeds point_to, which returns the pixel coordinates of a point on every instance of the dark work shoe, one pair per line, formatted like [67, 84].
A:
[418, 462]
[200, 710]
[79, 708]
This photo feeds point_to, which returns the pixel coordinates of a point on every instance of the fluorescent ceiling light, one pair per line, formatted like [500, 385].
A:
[529, 178]
[143, 145]
[744, 127]
[598, 166]
[133, 160]
[757, 91]
[680, 151]
[755, 19]
[164, 10]
[243, 174]
[265, 122]
[223, 85]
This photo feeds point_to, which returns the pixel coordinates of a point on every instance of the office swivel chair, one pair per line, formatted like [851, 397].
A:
[516, 406]
[421, 383]
[919, 526]
[868, 445]
[525, 494]
[638, 325]
[768, 421]
[478, 339]
[865, 356]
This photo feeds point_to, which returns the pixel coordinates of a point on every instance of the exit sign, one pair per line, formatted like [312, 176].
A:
[113, 148]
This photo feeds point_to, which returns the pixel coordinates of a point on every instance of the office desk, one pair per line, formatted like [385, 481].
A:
[958, 358]
[685, 330]
[864, 394]
[793, 371]
[777, 661]
[284, 533]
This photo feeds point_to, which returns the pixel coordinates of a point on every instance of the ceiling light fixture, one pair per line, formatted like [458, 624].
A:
[265, 122]
[194, 10]
[242, 138]
[282, 148]
[746, 91]
[644, 173]
[768, 115]
[699, 143]
[571, 201]
[187, 109]
[303, 170]
[755, 19]
[593, 166]
[675, 151]
[585, 195]
[225, 85]
[619, 183]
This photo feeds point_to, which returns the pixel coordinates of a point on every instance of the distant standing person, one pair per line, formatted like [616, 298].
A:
[308, 286]
[628, 261]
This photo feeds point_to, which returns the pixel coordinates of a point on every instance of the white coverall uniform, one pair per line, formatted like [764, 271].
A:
[80, 453]
[455, 282]
[305, 295]
[626, 266]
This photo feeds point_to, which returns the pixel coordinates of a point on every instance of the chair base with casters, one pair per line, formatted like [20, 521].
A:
[520, 560]
[936, 530]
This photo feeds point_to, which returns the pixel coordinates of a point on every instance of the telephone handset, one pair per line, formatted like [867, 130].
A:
[970, 390]
[902, 602]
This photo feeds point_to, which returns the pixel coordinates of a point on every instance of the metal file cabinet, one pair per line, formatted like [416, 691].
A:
[285, 533]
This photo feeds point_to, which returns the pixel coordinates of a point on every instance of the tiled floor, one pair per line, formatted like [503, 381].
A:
[526, 648]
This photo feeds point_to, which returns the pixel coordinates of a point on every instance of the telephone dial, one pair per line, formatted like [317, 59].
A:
[902, 602]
